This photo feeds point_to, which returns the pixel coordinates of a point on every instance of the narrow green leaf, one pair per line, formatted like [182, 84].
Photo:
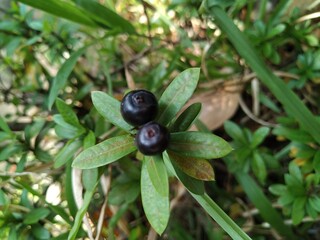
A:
[156, 206]
[68, 191]
[295, 171]
[109, 108]
[259, 167]
[10, 150]
[195, 167]
[293, 134]
[4, 126]
[32, 130]
[315, 203]
[186, 119]
[262, 203]
[67, 113]
[217, 214]
[311, 211]
[191, 184]
[105, 152]
[89, 140]
[80, 214]
[234, 131]
[61, 9]
[177, 94]
[316, 161]
[158, 174]
[278, 189]
[40, 232]
[89, 178]
[62, 76]
[259, 136]
[56, 209]
[3, 199]
[293, 105]
[298, 212]
[214, 210]
[66, 153]
[35, 215]
[199, 145]
[105, 16]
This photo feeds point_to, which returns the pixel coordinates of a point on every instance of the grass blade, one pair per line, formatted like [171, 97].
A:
[262, 203]
[292, 104]
[61, 9]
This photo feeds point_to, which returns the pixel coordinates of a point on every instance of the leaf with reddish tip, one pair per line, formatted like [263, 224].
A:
[195, 167]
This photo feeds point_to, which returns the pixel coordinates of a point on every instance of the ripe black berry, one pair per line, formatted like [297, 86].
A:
[152, 138]
[139, 107]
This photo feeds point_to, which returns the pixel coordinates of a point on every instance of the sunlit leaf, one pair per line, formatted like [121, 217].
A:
[177, 94]
[155, 205]
[199, 145]
[157, 173]
[109, 108]
[105, 152]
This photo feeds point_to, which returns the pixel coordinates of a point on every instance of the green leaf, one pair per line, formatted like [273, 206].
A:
[109, 108]
[286, 198]
[292, 104]
[295, 186]
[278, 189]
[68, 191]
[10, 150]
[316, 161]
[311, 211]
[3, 199]
[40, 232]
[199, 145]
[80, 214]
[298, 210]
[105, 152]
[214, 210]
[220, 3]
[89, 178]
[315, 203]
[105, 16]
[191, 184]
[195, 167]
[234, 131]
[259, 167]
[156, 206]
[35, 215]
[177, 94]
[89, 140]
[186, 119]
[61, 9]
[63, 74]
[293, 134]
[294, 170]
[67, 113]
[259, 136]
[66, 153]
[158, 174]
[262, 203]
[32, 130]
[131, 188]
[55, 209]
[4, 126]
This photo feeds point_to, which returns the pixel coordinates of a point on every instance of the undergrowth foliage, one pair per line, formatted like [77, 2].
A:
[76, 161]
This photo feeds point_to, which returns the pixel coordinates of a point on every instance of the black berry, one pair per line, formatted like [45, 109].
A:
[152, 138]
[139, 107]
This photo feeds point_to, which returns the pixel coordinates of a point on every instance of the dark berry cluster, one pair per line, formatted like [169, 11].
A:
[139, 108]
